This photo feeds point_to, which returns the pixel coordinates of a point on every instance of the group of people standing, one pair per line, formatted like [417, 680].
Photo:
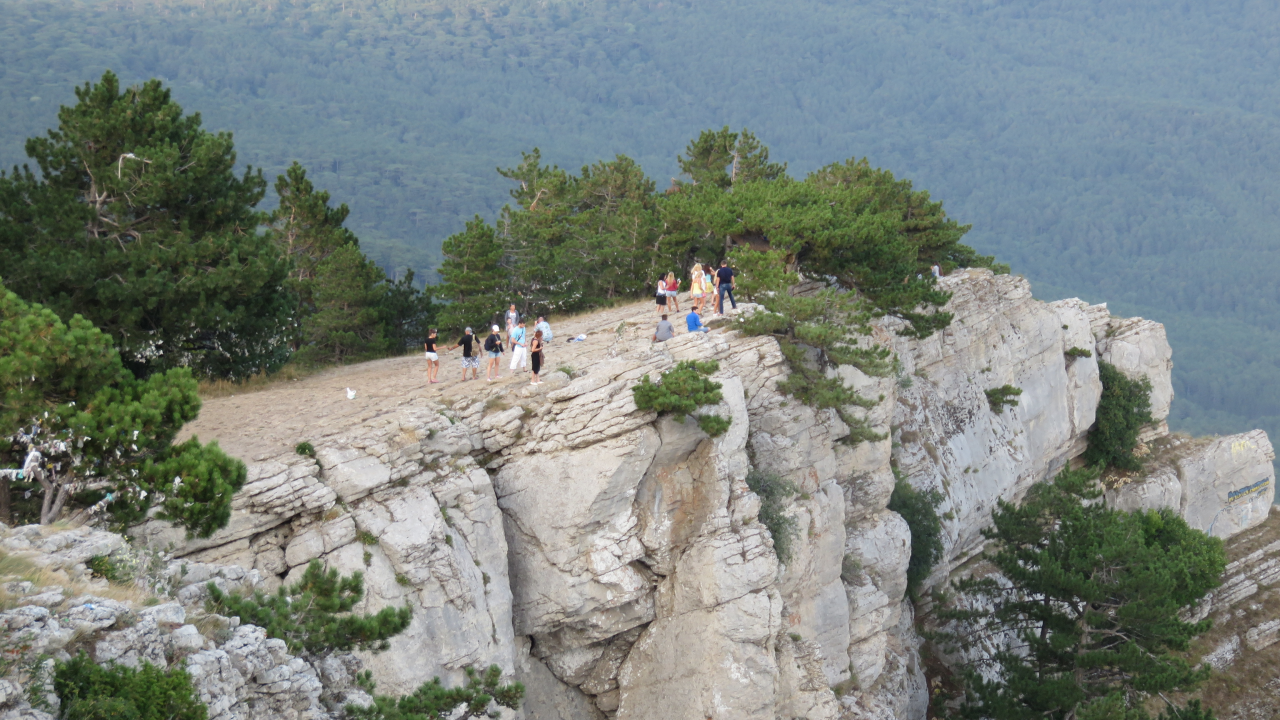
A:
[526, 349]
[702, 283]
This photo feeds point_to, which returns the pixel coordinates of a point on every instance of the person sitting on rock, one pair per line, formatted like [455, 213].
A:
[664, 332]
[694, 322]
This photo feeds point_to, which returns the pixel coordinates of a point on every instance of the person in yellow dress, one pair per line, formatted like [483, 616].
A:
[697, 287]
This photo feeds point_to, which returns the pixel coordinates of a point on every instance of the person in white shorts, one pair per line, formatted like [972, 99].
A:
[433, 358]
[519, 349]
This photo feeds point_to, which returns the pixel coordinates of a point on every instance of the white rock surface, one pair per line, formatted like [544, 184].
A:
[237, 671]
[1228, 485]
[614, 562]
[951, 439]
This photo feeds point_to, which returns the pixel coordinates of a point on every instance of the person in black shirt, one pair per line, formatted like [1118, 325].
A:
[468, 361]
[433, 358]
[724, 286]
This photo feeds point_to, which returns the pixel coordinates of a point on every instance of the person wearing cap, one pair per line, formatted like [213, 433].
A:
[468, 360]
[493, 348]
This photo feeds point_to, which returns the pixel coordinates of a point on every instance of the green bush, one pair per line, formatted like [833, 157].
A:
[312, 614]
[305, 448]
[1077, 352]
[997, 398]
[774, 493]
[683, 390]
[920, 510]
[433, 701]
[102, 566]
[714, 425]
[1123, 409]
[88, 691]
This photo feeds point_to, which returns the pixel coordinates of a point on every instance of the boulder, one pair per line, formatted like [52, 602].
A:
[1228, 485]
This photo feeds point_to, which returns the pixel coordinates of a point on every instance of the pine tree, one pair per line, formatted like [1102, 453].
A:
[87, 691]
[724, 158]
[471, 280]
[1123, 410]
[306, 229]
[433, 701]
[75, 419]
[406, 313]
[314, 615]
[138, 223]
[817, 332]
[1091, 599]
[346, 324]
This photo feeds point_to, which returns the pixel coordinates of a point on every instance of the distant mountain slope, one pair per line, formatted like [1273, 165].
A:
[1123, 150]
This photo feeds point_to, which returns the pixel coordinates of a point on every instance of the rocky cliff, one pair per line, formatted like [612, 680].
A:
[614, 561]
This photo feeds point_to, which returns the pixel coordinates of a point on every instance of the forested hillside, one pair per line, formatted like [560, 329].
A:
[1121, 150]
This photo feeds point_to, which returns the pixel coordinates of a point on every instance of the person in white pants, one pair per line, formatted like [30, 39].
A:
[519, 348]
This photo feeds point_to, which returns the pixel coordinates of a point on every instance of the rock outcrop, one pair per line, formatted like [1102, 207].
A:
[236, 670]
[614, 561]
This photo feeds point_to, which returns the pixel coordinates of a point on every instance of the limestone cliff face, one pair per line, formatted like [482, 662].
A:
[614, 562]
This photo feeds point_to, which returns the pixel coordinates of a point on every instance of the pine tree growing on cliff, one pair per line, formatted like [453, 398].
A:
[314, 614]
[433, 701]
[1087, 610]
[76, 421]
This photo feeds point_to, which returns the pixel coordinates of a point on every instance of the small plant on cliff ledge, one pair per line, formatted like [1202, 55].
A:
[433, 701]
[774, 493]
[682, 390]
[920, 509]
[1123, 410]
[87, 691]
[997, 398]
[305, 448]
[314, 614]
[1077, 352]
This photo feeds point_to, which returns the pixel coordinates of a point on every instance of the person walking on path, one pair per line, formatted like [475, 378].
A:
[518, 347]
[468, 360]
[673, 291]
[513, 319]
[694, 322]
[724, 286]
[493, 348]
[664, 332]
[697, 287]
[661, 297]
[535, 356]
[433, 358]
[545, 328]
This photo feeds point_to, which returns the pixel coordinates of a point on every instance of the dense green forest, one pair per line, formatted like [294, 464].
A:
[1119, 151]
